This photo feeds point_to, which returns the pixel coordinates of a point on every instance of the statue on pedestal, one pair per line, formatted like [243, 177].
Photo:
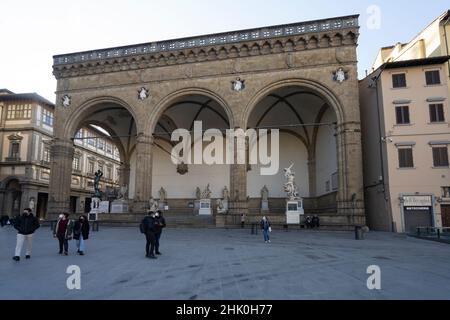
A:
[264, 193]
[220, 206]
[198, 193]
[153, 204]
[98, 176]
[206, 194]
[162, 195]
[225, 194]
[122, 194]
[290, 187]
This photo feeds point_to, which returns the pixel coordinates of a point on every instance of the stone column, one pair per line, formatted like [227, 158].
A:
[312, 174]
[238, 189]
[62, 152]
[350, 199]
[144, 160]
[124, 171]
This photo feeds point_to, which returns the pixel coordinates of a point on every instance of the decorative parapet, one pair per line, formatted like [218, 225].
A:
[275, 39]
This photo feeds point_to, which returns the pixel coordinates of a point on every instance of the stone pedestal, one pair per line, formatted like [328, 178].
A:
[205, 207]
[294, 209]
[264, 205]
[104, 207]
[93, 215]
[120, 206]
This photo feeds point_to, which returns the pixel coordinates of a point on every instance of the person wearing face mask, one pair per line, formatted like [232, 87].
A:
[26, 225]
[160, 224]
[150, 234]
[63, 231]
[81, 233]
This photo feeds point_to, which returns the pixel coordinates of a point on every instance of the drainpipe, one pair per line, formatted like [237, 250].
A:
[386, 197]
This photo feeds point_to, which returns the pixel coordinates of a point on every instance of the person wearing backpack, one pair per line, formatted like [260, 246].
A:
[148, 226]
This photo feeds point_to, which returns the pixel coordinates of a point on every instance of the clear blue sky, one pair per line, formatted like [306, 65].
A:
[31, 32]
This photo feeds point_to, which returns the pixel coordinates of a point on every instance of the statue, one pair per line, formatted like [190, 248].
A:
[98, 176]
[238, 85]
[265, 193]
[31, 204]
[153, 204]
[122, 194]
[198, 193]
[162, 195]
[225, 194]
[220, 206]
[206, 194]
[290, 187]
[95, 203]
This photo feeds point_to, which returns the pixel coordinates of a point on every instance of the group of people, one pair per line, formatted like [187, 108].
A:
[312, 223]
[65, 229]
[152, 226]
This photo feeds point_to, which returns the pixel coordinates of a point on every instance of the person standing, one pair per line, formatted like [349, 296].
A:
[242, 221]
[26, 225]
[150, 235]
[266, 228]
[81, 233]
[63, 231]
[160, 224]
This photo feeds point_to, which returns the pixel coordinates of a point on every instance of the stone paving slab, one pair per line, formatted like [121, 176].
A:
[228, 265]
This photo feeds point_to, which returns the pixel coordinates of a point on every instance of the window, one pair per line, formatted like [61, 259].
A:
[117, 173]
[47, 117]
[91, 167]
[100, 167]
[402, 115]
[19, 112]
[91, 141]
[109, 172]
[433, 77]
[399, 80]
[15, 150]
[47, 156]
[440, 156]
[101, 144]
[109, 148]
[76, 163]
[79, 134]
[437, 113]
[445, 192]
[405, 158]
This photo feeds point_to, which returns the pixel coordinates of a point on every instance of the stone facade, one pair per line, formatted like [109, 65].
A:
[308, 59]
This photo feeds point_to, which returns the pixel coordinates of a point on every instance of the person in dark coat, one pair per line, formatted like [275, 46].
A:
[63, 231]
[150, 235]
[160, 224]
[4, 221]
[316, 222]
[81, 233]
[26, 225]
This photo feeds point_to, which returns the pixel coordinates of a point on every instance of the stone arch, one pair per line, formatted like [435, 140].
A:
[323, 91]
[173, 97]
[78, 115]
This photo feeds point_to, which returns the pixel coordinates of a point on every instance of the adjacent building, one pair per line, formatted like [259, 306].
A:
[406, 133]
[26, 134]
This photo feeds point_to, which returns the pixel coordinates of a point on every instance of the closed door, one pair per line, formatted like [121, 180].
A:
[417, 218]
[445, 213]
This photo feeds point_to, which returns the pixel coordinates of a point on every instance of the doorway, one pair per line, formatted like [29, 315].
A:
[41, 210]
[445, 213]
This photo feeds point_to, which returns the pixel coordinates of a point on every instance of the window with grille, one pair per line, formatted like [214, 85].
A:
[109, 173]
[19, 112]
[405, 158]
[76, 163]
[402, 115]
[91, 167]
[15, 150]
[437, 113]
[440, 157]
[47, 155]
[433, 77]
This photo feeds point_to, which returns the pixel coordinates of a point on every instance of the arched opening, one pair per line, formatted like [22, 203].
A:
[12, 198]
[307, 125]
[104, 137]
[181, 180]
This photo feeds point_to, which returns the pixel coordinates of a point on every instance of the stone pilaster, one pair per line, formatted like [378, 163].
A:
[238, 189]
[350, 200]
[144, 158]
[62, 152]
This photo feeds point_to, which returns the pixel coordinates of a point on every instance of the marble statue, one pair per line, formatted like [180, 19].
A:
[198, 193]
[225, 194]
[220, 206]
[162, 195]
[265, 193]
[122, 194]
[153, 204]
[206, 194]
[31, 204]
[290, 187]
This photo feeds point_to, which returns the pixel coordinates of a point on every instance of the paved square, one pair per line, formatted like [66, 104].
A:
[228, 264]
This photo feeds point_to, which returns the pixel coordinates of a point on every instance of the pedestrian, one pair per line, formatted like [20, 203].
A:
[308, 223]
[63, 231]
[26, 225]
[316, 222]
[160, 224]
[149, 230]
[242, 221]
[266, 228]
[81, 233]
[4, 221]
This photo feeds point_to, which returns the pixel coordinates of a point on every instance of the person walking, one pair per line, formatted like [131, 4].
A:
[26, 225]
[81, 233]
[63, 231]
[242, 221]
[266, 228]
[160, 224]
[150, 235]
